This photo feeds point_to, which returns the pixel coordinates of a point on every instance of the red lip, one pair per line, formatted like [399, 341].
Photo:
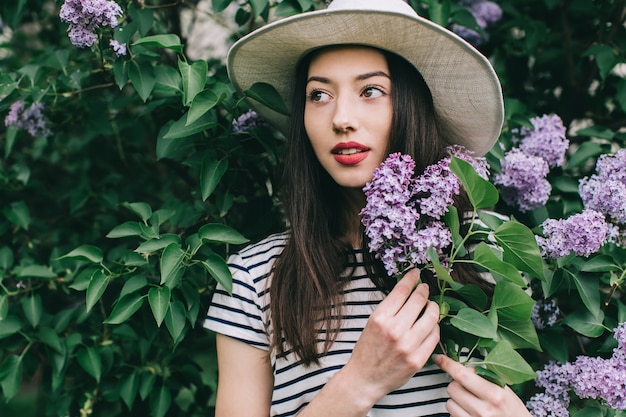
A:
[351, 159]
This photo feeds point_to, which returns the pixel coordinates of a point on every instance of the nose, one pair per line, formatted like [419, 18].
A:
[344, 116]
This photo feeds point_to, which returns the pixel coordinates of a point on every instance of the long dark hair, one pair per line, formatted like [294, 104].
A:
[305, 289]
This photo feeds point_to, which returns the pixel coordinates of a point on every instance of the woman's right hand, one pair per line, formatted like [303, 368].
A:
[397, 341]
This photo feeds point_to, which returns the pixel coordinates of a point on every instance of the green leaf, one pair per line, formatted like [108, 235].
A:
[521, 334]
[90, 360]
[216, 232]
[212, 172]
[11, 376]
[508, 364]
[473, 322]
[156, 244]
[589, 290]
[520, 248]
[482, 193]
[512, 302]
[32, 308]
[9, 326]
[439, 11]
[194, 77]
[141, 77]
[204, 101]
[128, 389]
[485, 257]
[267, 95]
[143, 210]
[605, 56]
[171, 262]
[18, 214]
[51, 338]
[125, 308]
[97, 285]
[85, 253]
[489, 376]
[128, 229]
[218, 268]
[134, 283]
[6, 258]
[160, 402]
[258, 6]
[585, 152]
[220, 5]
[600, 132]
[554, 342]
[585, 323]
[36, 271]
[146, 384]
[601, 263]
[621, 94]
[473, 295]
[159, 300]
[180, 128]
[166, 41]
[4, 306]
[175, 320]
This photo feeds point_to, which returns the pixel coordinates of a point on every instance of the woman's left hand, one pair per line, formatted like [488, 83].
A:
[472, 395]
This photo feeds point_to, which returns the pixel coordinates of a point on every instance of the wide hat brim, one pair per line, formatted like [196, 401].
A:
[466, 91]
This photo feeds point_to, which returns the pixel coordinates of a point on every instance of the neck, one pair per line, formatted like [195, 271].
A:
[355, 201]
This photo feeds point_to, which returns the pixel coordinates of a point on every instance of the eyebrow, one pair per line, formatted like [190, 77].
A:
[360, 77]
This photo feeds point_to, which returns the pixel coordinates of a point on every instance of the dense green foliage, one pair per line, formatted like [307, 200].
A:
[114, 228]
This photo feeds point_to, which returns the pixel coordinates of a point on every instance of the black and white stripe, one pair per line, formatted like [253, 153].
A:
[245, 316]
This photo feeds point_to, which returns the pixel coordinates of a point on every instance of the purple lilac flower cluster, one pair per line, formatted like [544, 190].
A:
[485, 12]
[523, 180]
[588, 377]
[85, 17]
[525, 168]
[606, 190]
[403, 213]
[247, 121]
[118, 48]
[582, 233]
[544, 314]
[30, 119]
[545, 140]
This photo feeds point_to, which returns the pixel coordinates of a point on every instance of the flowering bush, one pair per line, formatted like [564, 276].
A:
[129, 169]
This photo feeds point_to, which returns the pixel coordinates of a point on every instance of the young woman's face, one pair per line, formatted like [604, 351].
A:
[348, 111]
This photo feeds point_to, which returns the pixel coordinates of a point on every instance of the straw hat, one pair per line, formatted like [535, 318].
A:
[465, 88]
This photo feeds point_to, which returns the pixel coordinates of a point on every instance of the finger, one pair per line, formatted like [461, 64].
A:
[455, 409]
[400, 293]
[414, 305]
[464, 375]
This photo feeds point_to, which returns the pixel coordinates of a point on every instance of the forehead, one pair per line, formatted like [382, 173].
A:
[355, 56]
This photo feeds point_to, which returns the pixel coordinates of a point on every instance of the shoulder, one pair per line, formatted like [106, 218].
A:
[259, 255]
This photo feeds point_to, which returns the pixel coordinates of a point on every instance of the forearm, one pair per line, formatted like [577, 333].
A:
[341, 397]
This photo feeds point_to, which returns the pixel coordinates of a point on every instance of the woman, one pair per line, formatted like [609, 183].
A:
[313, 326]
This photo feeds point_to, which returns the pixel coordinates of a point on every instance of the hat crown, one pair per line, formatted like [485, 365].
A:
[392, 6]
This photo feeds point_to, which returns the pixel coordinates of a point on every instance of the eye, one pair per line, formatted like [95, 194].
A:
[373, 92]
[318, 96]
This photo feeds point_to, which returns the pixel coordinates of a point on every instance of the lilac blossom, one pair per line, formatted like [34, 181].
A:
[542, 405]
[247, 121]
[588, 377]
[85, 17]
[582, 233]
[402, 216]
[606, 190]
[546, 139]
[544, 314]
[485, 13]
[523, 179]
[30, 119]
[118, 48]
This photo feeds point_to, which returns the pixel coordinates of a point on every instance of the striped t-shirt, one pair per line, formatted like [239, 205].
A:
[245, 316]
